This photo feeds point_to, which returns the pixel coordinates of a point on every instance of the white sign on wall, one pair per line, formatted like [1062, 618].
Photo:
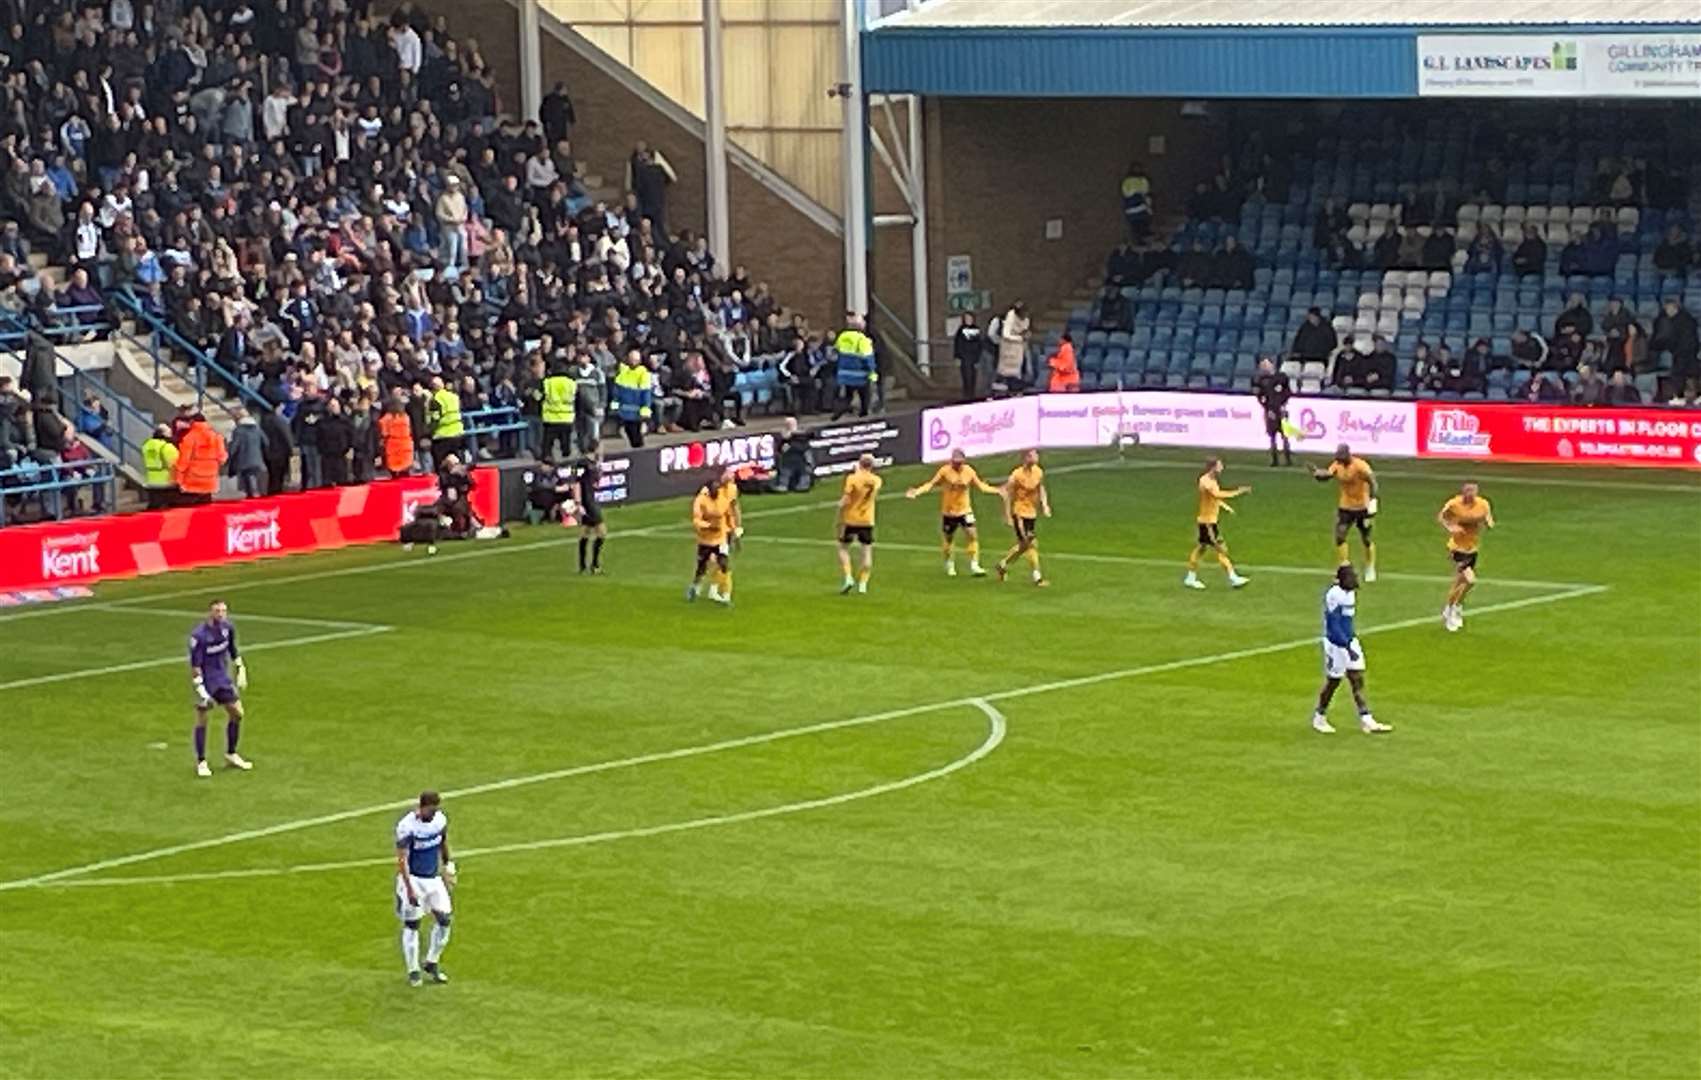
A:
[959, 274]
[1559, 65]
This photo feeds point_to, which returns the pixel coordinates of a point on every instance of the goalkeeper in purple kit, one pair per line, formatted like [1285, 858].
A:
[219, 677]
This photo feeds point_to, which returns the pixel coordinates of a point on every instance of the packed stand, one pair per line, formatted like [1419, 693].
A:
[331, 207]
[1420, 250]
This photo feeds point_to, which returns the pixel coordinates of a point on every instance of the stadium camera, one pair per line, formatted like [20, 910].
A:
[839, 90]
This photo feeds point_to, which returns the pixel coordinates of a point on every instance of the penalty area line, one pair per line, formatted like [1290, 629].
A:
[60, 878]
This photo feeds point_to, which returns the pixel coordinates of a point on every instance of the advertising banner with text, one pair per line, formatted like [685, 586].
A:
[1644, 64]
[1163, 418]
[125, 545]
[1562, 435]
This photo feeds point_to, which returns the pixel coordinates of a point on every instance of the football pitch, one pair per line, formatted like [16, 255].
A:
[948, 828]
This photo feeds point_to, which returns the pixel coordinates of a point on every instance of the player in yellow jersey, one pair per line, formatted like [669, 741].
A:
[856, 522]
[735, 512]
[1213, 500]
[955, 481]
[1025, 499]
[1356, 506]
[709, 512]
[1464, 516]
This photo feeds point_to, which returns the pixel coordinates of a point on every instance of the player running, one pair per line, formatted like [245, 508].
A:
[1464, 516]
[1025, 499]
[1213, 500]
[219, 676]
[709, 521]
[956, 480]
[424, 876]
[593, 532]
[1342, 654]
[856, 522]
[1356, 506]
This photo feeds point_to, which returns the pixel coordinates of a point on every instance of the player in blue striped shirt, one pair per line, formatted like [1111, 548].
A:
[1342, 654]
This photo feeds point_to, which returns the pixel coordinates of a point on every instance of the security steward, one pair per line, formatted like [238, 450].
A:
[855, 372]
[559, 391]
[443, 417]
[159, 464]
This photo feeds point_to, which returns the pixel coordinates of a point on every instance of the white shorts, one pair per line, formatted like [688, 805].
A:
[432, 894]
[1338, 661]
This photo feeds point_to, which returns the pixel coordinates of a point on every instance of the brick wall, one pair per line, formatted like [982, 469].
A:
[800, 261]
[999, 168]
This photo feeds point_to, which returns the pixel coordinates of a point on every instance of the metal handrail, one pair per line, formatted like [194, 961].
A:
[79, 474]
[129, 425]
[203, 362]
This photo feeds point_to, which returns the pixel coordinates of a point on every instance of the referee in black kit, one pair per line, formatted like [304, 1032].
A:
[592, 531]
[1274, 390]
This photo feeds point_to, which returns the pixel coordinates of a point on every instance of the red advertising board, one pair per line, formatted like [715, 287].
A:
[125, 545]
[1560, 434]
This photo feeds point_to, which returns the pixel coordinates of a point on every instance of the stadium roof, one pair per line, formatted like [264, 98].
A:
[1315, 13]
[1257, 48]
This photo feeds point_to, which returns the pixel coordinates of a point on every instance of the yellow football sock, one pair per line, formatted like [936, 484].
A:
[974, 550]
[1033, 556]
[862, 575]
[726, 584]
[1342, 558]
[1369, 554]
[945, 548]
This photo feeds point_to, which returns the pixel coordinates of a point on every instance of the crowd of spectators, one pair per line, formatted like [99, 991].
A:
[1589, 359]
[335, 207]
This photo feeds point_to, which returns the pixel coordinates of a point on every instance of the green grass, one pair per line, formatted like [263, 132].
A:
[1156, 874]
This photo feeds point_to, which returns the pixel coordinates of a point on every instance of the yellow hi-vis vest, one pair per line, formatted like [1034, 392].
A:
[159, 458]
[448, 423]
[558, 394]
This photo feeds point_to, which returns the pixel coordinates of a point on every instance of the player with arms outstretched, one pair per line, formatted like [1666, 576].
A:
[1343, 656]
[1025, 499]
[1213, 500]
[1464, 516]
[709, 522]
[219, 676]
[1356, 506]
[856, 522]
[956, 481]
[424, 876]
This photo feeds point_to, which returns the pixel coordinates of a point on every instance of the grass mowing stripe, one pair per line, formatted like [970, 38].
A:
[140, 665]
[750, 740]
[997, 726]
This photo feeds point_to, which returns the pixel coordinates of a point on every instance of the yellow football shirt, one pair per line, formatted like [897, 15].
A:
[1025, 484]
[1211, 499]
[1355, 483]
[1470, 520]
[708, 518]
[861, 490]
[955, 486]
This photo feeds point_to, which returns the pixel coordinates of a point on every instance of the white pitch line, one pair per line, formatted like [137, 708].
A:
[1142, 560]
[139, 665]
[997, 726]
[435, 560]
[1464, 468]
[247, 616]
[750, 740]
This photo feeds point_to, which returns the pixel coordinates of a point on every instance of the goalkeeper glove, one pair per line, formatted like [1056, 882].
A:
[241, 674]
[1371, 508]
[203, 700]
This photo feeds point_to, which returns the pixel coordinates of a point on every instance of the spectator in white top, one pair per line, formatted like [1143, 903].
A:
[541, 174]
[452, 225]
[274, 112]
[409, 52]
